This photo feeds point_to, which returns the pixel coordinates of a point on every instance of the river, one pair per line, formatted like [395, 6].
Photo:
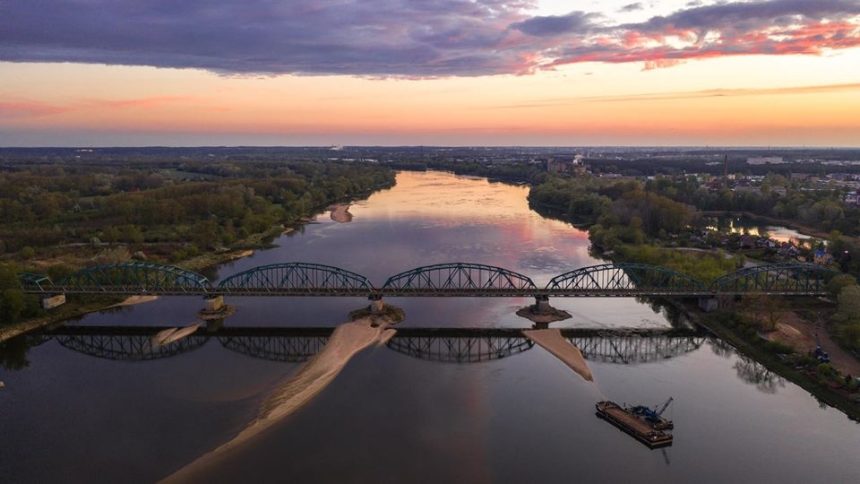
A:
[400, 415]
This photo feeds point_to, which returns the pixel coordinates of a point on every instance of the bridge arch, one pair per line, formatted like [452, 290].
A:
[135, 278]
[298, 278]
[626, 278]
[458, 278]
[778, 279]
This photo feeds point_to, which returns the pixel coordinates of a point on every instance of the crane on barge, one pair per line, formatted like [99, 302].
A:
[654, 416]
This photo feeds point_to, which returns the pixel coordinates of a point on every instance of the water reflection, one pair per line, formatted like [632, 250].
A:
[299, 344]
[756, 374]
[13, 352]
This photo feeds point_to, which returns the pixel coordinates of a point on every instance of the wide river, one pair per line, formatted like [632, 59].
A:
[92, 409]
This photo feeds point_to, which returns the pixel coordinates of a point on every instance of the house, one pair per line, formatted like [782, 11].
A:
[821, 257]
[747, 242]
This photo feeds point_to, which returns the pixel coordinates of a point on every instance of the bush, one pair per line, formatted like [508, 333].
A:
[826, 370]
[837, 283]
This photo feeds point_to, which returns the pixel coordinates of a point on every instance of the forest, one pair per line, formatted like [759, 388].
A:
[60, 216]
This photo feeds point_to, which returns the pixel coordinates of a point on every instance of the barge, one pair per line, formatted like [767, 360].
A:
[627, 421]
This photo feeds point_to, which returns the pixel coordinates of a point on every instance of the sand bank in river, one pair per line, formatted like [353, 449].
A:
[345, 342]
[552, 341]
[340, 213]
[132, 300]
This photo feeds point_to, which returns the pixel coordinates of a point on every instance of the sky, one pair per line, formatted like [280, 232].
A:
[429, 72]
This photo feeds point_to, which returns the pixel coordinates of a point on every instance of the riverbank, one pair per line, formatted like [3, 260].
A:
[70, 310]
[774, 359]
[208, 261]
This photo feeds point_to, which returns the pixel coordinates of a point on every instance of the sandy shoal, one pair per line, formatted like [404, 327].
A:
[300, 388]
[552, 341]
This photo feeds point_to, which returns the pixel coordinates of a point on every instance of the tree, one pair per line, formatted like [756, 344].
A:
[839, 282]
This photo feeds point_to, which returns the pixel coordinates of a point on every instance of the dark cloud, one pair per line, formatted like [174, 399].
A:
[405, 38]
[631, 7]
[555, 25]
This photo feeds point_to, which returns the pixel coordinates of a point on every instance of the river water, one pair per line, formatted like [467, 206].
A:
[79, 412]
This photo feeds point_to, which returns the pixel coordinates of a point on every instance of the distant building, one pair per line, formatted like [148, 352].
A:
[765, 160]
[576, 166]
[852, 198]
[821, 257]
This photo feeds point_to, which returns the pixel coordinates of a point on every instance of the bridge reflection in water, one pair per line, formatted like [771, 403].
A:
[450, 345]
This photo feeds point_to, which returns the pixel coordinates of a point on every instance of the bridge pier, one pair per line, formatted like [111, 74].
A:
[542, 304]
[376, 304]
[213, 304]
[541, 313]
[214, 308]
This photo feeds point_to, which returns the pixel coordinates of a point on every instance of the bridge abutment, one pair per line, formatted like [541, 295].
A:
[54, 301]
[709, 304]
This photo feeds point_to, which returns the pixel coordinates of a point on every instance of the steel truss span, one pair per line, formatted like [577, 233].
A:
[296, 279]
[626, 279]
[777, 279]
[457, 279]
[129, 278]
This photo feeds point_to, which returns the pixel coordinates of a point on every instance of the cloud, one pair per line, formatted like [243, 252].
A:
[631, 7]
[683, 95]
[556, 24]
[407, 38]
[26, 109]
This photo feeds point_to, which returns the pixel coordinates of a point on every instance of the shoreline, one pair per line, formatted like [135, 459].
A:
[204, 262]
[770, 361]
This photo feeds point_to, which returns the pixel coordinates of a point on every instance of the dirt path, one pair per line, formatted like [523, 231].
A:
[801, 334]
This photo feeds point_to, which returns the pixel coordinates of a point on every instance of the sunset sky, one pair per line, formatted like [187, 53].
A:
[445, 72]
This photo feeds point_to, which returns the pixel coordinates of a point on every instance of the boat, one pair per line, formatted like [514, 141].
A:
[637, 426]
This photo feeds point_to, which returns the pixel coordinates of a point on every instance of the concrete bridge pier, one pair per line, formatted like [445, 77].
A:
[542, 304]
[541, 313]
[376, 304]
[214, 308]
[213, 304]
[51, 302]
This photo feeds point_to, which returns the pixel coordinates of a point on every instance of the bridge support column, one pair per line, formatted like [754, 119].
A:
[542, 304]
[214, 308]
[541, 313]
[376, 304]
[709, 304]
[51, 302]
[213, 304]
